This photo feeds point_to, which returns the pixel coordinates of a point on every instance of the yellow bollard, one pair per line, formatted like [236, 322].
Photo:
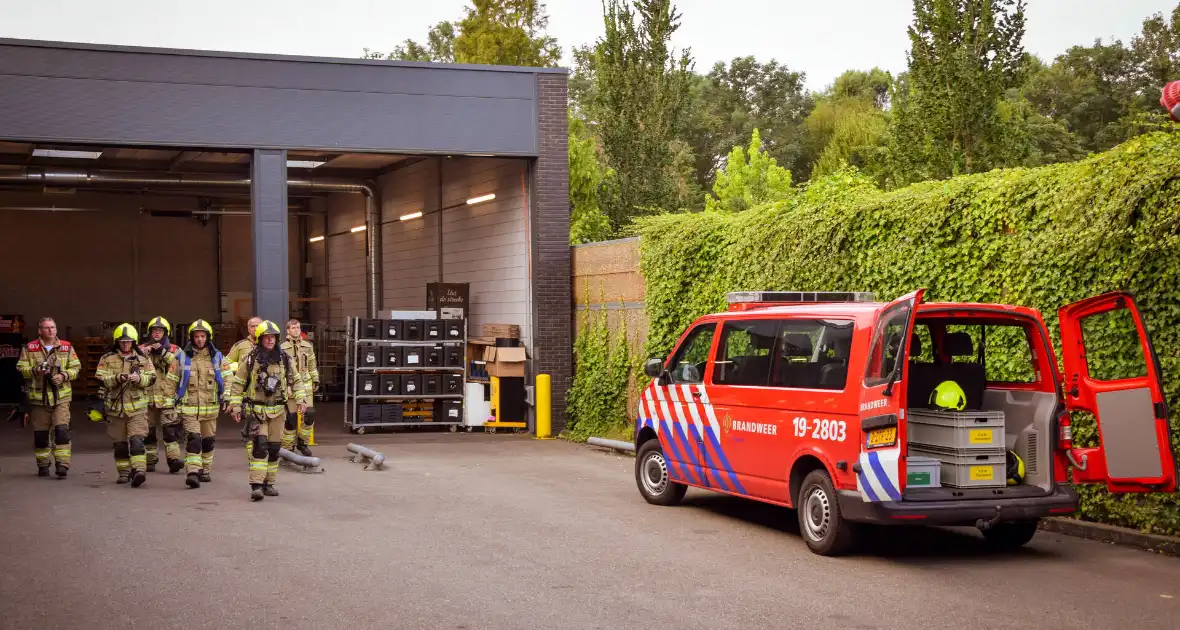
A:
[544, 407]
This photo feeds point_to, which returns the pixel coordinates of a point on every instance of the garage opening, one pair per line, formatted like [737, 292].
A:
[100, 235]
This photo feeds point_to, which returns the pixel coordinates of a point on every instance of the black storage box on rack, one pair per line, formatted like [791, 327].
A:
[370, 329]
[433, 330]
[392, 330]
[448, 410]
[431, 384]
[368, 384]
[391, 357]
[368, 356]
[453, 329]
[452, 384]
[413, 329]
[391, 385]
[412, 357]
[368, 413]
[411, 384]
[434, 356]
[391, 412]
[453, 356]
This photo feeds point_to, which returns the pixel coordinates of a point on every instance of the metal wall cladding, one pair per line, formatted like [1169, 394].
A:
[90, 93]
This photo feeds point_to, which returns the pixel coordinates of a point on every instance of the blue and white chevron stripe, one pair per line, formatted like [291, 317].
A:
[878, 477]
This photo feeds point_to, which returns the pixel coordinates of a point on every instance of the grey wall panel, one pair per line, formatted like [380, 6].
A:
[410, 248]
[346, 255]
[271, 234]
[72, 95]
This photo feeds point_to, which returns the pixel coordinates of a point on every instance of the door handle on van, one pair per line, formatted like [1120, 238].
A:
[879, 422]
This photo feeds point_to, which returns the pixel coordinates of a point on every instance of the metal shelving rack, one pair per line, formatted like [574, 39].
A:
[353, 342]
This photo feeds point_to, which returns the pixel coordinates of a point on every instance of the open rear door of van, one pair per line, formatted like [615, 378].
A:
[1112, 372]
[880, 470]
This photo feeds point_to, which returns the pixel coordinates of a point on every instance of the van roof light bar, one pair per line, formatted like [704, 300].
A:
[798, 297]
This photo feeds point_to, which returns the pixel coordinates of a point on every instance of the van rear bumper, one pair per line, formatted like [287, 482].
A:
[1062, 501]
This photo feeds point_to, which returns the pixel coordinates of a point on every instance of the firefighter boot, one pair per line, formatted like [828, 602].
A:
[256, 493]
[123, 462]
[175, 466]
[62, 450]
[269, 490]
[124, 475]
[151, 449]
[43, 452]
[62, 470]
[193, 480]
[43, 471]
[304, 450]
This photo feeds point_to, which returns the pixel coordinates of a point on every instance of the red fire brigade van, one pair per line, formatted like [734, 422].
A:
[822, 402]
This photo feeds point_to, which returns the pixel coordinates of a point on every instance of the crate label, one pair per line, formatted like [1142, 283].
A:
[981, 436]
[411, 358]
[368, 386]
[454, 413]
[983, 473]
[918, 479]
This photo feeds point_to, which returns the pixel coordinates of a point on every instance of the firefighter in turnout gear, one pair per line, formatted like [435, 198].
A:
[127, 375]
[200, 395]
[265, 380]
[162, 395]
[303, 354]
[237, 353]
[48, 365]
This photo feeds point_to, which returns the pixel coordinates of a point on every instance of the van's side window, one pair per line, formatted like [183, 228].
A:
[744, 355]
[887, 346]
[813, 354]
[688, 366]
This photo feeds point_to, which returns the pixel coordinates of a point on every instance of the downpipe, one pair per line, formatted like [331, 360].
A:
[374, 459]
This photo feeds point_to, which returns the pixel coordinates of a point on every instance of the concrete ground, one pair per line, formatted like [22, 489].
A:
[481, 531]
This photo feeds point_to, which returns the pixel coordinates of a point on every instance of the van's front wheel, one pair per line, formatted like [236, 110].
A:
[1010, 535]
[651, 475]
[821, 523]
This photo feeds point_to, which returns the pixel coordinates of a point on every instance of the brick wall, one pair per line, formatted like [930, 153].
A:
[550, 229]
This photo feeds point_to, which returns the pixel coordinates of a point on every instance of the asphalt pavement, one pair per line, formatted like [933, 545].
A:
[483, 531]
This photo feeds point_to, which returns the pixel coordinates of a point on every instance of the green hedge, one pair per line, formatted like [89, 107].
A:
[1035, 237]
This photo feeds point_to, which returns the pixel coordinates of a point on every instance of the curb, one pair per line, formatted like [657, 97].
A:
[1167, 545]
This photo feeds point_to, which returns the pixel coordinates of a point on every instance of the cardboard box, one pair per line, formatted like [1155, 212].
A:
[505, 362]
[449, 300]
[504, 331]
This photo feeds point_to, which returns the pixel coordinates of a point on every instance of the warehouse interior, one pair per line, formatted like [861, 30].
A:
[105, 234]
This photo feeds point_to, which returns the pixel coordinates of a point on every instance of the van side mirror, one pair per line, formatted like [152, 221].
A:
[653, 367]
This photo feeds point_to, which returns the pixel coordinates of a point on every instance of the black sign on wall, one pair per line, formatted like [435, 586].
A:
[449, 300]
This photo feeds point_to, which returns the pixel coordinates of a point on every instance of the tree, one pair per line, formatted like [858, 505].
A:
[964, 54]
[1087, 90]
[495, 32]
[506, 32]
[751, 177]
[588, 176]
[641, 89]
[850, 124]
[743, 95]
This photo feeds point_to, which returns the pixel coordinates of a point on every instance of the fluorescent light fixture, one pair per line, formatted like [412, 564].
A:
[481, 199]
[359, 228]
[75, 155]
[412, 215]
[305, 163]
[315, 239]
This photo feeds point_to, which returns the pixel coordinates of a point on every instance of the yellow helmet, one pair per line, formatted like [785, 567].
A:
[160, 322]
[949, 396]
[126, 332]
[266, 328]
[94, 415]
[200, 324]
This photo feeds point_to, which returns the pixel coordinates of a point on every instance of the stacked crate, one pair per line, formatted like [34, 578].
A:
[968, 444]
[91, 350]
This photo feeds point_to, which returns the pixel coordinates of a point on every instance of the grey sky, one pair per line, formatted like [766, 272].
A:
[821, 38]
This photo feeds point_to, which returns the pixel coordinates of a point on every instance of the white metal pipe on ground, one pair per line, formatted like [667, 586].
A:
[376, 459]
[615, 444]
[302, 460]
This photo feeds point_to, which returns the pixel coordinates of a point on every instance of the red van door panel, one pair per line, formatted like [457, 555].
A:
[1112, 372]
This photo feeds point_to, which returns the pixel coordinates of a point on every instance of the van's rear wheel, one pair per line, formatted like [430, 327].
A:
[821, 524]
[1011, 535]
[651, 475]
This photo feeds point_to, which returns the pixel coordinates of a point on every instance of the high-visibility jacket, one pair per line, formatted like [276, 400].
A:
[247, 391]
[202, 386]
[62, 359]
[239, 351]
[128, 398]
[162, 393]
[303, 353]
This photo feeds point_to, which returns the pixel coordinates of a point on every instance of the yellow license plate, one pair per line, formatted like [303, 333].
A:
[981, 436]
[983, 473]
[882, 437]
